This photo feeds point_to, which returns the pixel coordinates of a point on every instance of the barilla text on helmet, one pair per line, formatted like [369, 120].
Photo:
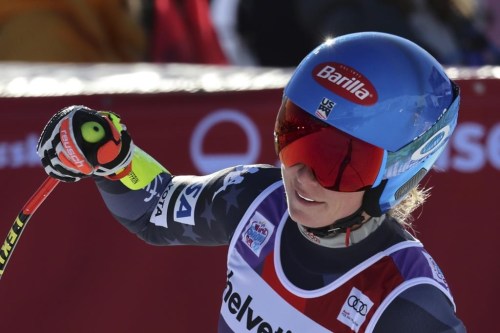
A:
[346, 82]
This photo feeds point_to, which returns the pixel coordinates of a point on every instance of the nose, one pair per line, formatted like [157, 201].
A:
[305, 175]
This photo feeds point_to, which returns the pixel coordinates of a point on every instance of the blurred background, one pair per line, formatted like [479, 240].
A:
[198, 84]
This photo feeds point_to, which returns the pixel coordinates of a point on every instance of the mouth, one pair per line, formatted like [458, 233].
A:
[306, 199]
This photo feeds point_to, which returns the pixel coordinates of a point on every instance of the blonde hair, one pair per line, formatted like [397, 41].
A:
[402, 212]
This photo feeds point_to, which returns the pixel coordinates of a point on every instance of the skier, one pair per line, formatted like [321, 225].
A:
[324, 243]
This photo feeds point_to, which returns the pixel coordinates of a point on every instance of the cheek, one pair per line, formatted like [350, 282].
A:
[288, 194]
[344, 203]
[285, 178]
[283, 172]
[289, 191]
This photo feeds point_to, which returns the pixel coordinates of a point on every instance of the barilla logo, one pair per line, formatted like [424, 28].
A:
[346, 82]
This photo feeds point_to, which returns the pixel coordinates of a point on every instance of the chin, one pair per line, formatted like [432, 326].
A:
[305, 220]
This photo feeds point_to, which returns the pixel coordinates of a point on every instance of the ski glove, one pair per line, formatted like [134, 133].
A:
[79, 142]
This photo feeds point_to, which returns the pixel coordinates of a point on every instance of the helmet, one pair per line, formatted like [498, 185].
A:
[388, 92]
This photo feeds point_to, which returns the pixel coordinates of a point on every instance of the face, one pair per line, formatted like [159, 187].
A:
[312, 205]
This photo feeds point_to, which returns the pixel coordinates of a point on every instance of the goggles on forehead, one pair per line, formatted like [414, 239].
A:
[339, 161]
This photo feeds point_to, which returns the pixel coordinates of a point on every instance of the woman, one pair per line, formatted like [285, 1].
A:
[320, 244]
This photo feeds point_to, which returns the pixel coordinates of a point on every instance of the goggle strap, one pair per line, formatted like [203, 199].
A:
[371, 199]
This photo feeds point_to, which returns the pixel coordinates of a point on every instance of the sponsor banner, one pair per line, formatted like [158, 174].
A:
[257, 233]
[346, 82]
[355, 308]
[246, 305]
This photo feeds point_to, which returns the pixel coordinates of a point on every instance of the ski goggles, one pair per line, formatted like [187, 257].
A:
[339, 161]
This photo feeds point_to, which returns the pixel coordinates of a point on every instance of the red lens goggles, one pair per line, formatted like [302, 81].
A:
[339, 161]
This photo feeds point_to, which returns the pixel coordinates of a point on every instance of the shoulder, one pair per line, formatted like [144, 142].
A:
[258, 176]
[421, 308]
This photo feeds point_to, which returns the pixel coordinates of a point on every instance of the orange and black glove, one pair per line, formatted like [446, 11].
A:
[79, 142]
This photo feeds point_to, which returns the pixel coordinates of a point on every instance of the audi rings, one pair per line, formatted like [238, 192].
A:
[358, 305]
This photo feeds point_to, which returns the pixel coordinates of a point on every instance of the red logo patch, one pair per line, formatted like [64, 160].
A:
[346, 82]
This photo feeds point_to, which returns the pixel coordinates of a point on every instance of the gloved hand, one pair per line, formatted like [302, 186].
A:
[80, 142]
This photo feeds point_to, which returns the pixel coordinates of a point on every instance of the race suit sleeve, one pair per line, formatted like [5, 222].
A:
[187, 210]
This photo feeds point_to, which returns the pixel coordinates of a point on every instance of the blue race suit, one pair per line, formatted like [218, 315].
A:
[278, 280]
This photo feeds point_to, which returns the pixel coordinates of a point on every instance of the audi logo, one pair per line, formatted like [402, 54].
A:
[357, 305]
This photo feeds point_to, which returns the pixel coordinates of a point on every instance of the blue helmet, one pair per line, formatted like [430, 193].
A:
[387, 91]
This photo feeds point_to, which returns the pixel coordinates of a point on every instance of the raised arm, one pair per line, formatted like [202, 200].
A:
[141, 194]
